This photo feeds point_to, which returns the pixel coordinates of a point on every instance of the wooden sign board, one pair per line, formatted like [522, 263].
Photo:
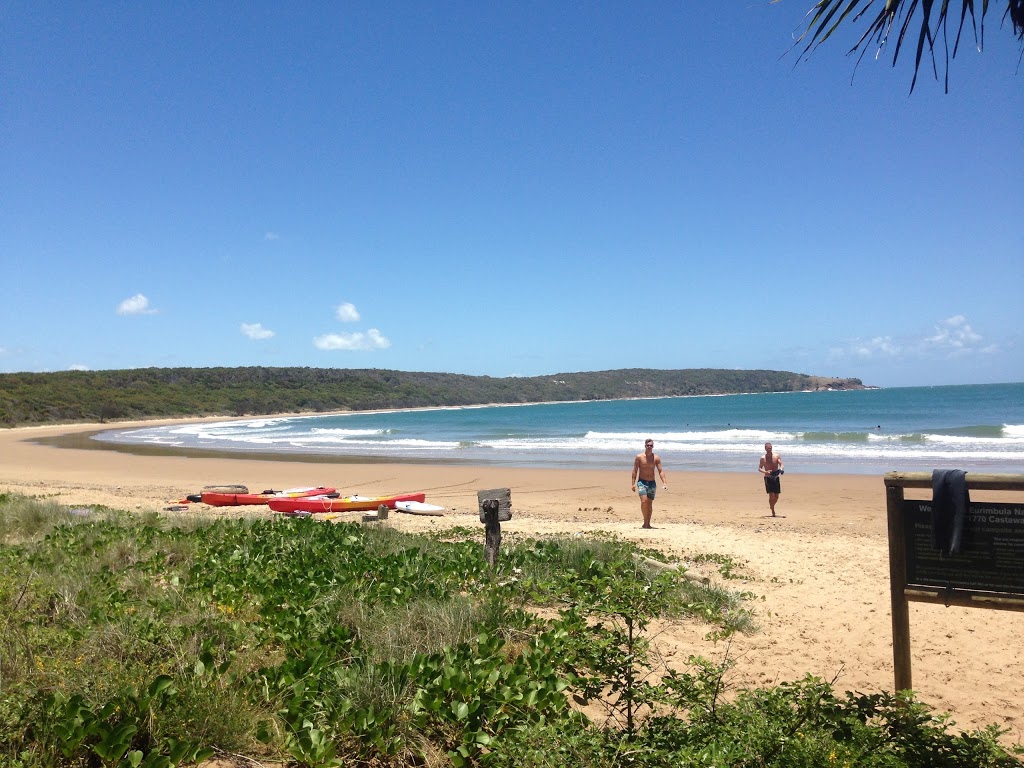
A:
[991, 557]
[504, 497]
[988, 572]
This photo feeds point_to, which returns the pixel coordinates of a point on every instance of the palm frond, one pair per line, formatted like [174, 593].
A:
[1015, 11]
[826, 16]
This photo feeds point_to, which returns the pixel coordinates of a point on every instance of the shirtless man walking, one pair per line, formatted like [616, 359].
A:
[644, 481]
[771, 467]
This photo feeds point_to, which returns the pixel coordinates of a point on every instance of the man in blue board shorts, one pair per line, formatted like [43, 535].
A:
[645, 465]
[771, 467]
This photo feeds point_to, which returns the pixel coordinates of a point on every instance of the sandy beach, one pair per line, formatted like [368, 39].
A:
[821, 567]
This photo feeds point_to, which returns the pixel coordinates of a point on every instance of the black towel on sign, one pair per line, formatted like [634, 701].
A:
[949, 509]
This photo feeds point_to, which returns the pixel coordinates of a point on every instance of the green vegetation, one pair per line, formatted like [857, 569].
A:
[138, 642]
[69, 396]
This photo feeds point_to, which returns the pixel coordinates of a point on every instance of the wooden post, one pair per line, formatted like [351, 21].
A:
[897, 588]
[495, 508]
[492, 540]
[382, 512]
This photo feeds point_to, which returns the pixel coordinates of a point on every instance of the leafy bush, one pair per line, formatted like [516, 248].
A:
[130, 642]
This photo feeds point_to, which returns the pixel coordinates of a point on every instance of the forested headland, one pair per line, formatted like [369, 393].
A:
[149, 393]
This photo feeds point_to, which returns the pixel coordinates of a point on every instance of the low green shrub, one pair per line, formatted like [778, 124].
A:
[134, 642]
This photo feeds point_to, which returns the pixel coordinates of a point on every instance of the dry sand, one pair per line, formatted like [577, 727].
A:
[820, 571]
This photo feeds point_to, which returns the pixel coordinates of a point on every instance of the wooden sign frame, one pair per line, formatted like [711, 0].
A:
[961, 581]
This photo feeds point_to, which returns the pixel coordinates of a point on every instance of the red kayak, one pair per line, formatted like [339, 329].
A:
[221, 499]
[341, 504]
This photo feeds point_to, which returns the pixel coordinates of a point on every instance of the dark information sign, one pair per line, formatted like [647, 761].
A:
[991, 558]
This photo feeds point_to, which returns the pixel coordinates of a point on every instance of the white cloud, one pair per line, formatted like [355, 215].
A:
[865, 349]
[352, 342]
[879, 345]
[78, 367]
[271, 236]
[955, 336]
[348, 313]
[256, 331]
[135, 305]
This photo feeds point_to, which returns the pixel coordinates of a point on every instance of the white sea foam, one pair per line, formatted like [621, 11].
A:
[675, 445]
[371, 445]
[968, 440]
[348, 432]
[721, 435]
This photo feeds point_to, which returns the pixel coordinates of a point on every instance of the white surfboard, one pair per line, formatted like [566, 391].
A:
[418, 508]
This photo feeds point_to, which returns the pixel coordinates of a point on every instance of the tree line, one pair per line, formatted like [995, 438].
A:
[145, 393]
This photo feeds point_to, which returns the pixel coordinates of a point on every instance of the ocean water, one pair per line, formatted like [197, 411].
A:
[976, 428]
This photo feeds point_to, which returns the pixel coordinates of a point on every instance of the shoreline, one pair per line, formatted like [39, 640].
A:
[84, 441]
[816, 455]
[819, 572]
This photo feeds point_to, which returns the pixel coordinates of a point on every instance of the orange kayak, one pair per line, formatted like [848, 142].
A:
[317, 504]
[220, 499]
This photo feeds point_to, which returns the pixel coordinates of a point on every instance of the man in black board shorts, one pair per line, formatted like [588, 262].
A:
[771, 468]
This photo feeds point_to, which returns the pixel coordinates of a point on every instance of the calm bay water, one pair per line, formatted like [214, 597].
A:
[977, 428]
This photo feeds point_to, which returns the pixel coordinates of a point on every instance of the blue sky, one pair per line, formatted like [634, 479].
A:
[503, 189]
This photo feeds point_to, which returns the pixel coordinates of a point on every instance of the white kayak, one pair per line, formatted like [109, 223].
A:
[418, 508]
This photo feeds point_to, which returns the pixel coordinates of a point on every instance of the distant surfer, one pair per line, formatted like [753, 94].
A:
[771, 467]
[645, 465]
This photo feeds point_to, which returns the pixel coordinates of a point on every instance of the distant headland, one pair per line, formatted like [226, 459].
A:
[158, 393]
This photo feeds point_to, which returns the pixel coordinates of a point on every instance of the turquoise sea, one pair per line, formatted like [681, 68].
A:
[977, 428]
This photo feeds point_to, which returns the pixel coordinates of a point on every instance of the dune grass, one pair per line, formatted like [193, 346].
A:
[139, 640]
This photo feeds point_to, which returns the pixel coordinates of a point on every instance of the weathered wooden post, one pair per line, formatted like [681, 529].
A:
[898, 588]
[495, 508]
[492, 536]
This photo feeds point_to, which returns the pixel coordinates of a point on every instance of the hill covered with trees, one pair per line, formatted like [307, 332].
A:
[100, 396]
